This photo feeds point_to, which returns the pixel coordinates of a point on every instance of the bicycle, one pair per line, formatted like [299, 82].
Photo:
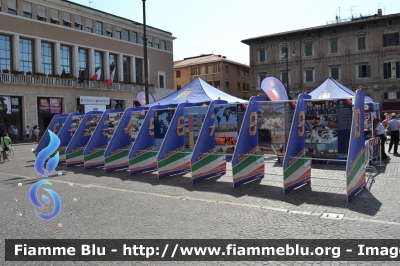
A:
[7, 155]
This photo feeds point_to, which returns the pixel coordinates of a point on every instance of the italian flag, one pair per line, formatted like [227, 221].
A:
[109, 82]
[274, 94]
[97, 75]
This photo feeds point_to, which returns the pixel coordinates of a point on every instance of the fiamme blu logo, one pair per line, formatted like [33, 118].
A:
[40, 164]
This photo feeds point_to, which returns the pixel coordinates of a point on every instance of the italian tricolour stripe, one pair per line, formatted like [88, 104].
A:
[95, 159]
[356, 177]
[248, 169]
[212, 165]
[274, 93]
[75, 158]
[144, 162]
[61, 153]
[299, 172]
[117, 161]
[175, 164]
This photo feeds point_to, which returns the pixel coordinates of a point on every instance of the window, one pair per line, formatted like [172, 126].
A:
[392, 95]
[138, 67]
[157, 43]
[164, 45]
[390, 39]
[334, 47]
[389, 22]
[25, 55]
[209, 82]
[261, 56]
[109, 30]
[178, 87]
[12, 7]
[89, 26]
[141, 40]
[261, 77]
[247, 73]
[209, 69]
[27, 9]
[361, 43]
[217, 84]
[99, 27]
[126, 68]
[335, 73]
[112, 59]
[194, 71]
[5, 52]
[47, 58]
[227, 84]
[54, 16]
[41, 13]
[238, 85]
[202, 70]
[309, 49]
[65, 58]
[217, 68]
[118, 34]
[149, 41]
[364, 71]
[161, 80]
[244, 86]
[78, 22]
[178, 73]
[284, 77]
[391, 70]
[284, 52]
[83, 63]
[134, 37]
[98, 62]
[67, 19]
[126, 35]
[309, 75]
[238, 71]
[226, 69]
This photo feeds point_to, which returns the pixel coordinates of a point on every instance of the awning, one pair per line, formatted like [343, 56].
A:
[390, 107]
[67, 17]
[54, 14]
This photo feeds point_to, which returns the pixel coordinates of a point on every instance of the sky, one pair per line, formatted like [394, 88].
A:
[219, 26]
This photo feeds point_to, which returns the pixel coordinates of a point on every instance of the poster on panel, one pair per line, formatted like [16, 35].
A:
[74, 151]
[355, 166]
[143, 155]
[296, 164]
[121, 135]
[173, 158]
[67, 132]
[94, 151]
[55, 126]
[247, 163]
[205, 162]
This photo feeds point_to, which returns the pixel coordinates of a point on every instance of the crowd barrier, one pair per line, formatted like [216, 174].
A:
[373, 152]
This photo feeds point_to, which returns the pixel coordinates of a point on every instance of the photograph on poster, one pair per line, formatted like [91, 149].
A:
[93, 122]
[5, 105]
[194, 118]
[226, 138]
[113, 121]
[76, 120]
[44, 105]
[271, 128]
[321, 107]
[55, 105]
[162, 120]
[225, 149]
[137, 119]
[321, 122]
[226, 114]
[226, 128]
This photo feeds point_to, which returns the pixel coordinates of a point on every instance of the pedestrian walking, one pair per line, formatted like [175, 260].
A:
[36, 131]
[27, 133]
[15, 133]
[393, 130]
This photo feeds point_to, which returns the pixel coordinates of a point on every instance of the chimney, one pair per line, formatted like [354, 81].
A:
[223, 56]
[380, 12]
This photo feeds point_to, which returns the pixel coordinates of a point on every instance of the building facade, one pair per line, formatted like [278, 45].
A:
[229, 76]
[358, 52]
[50, 49]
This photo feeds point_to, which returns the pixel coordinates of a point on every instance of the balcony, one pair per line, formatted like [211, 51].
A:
[69, 82]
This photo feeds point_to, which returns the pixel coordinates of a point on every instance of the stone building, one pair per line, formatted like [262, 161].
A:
[362, 51]
[47, 46]
[229, 76]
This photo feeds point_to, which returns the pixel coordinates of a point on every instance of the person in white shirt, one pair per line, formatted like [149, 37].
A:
[393, 130]
[379, 131]
[15, 132]
[27, 133]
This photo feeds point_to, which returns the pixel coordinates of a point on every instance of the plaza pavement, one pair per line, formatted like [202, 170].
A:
[116, 205]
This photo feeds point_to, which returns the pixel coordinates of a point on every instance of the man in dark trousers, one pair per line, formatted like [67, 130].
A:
[393, 129]
[379, 131]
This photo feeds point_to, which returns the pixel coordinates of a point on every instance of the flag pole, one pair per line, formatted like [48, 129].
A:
[146, 74]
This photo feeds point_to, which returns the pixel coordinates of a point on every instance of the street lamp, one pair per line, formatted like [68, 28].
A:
[286, 54]
[146, 73]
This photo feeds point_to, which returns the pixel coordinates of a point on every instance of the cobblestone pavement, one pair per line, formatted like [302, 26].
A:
[116, 205]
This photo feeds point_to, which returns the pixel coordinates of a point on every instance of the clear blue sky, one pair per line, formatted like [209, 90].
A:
[218, 26]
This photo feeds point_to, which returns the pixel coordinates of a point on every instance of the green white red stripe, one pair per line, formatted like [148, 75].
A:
[178, 162]
[211, 165]
[143, 162]
[250, 168]
[299, 172]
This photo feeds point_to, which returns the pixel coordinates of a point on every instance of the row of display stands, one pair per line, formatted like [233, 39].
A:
[201, 137]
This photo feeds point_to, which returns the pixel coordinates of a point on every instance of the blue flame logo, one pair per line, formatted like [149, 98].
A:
[45, 153]
[50, 167]
[35, 201]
